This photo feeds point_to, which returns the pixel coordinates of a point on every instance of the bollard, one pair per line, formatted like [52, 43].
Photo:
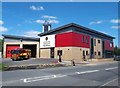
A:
[73, 62]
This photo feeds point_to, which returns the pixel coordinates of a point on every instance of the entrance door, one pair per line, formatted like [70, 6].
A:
[9, 48]
[83, 55]
[92, 49]
[51, 52]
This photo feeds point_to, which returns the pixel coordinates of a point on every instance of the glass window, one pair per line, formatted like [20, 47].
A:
[86, 39]
[95, 53]
[83, 53]
[99, 53]
[82, 38]
[110, 44]
[94, 42]
[98, 41]
[15, 52]
[86, 52]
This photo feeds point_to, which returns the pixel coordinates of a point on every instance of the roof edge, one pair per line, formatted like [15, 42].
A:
[19, 37]
[77, 25]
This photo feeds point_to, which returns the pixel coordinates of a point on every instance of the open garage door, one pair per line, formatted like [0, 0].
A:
[32, 48]
[9, 48]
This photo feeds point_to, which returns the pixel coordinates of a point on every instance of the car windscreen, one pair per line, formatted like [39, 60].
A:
[15, 51]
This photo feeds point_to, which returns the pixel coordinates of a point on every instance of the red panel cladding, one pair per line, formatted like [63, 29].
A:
[9, 48]
[77, 40]
[71, 39]
[65, 39]
[107, 45]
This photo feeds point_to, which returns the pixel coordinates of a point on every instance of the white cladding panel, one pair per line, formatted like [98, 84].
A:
[47, 41]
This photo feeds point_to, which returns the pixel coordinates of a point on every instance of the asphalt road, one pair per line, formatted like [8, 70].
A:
[99, 75]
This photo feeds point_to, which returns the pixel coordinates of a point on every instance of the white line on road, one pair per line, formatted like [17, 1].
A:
[111, 68]
[109, 82]
[33, 79]
[26, 80]
[87, 72]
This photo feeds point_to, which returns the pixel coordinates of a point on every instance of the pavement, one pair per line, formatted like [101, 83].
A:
[95, 76]
[30, 64]
[9, 62]
[43, 63]
[31, 61]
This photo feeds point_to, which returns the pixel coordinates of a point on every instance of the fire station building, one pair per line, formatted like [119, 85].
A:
[73, 41]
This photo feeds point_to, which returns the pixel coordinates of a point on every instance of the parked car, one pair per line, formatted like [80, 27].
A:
[117, 58]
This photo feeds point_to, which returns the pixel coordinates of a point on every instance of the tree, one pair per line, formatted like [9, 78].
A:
[116, 51]
[1, 45]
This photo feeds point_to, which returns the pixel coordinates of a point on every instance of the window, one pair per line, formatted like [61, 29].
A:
[86, 39]
[95, 53]
[98, 41]
[110, 44]
[82, 38]
[83, 53]
[99, 53]
[94, 42]
[86, 52]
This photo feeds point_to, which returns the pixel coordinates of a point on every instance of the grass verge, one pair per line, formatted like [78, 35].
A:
[2, 66]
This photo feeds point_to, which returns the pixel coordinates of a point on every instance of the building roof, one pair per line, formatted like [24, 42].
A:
[20, 37]
[75, 25]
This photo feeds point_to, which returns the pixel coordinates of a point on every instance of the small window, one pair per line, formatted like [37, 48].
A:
[86, 52]
[110, 44]
[94, 42]
[95, 53]
[98, 41]
[99, 53]
[83, 53]
[86, 39]
[82, 38]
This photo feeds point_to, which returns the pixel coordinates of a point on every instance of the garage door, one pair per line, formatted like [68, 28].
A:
[9, 48]
[32, 48]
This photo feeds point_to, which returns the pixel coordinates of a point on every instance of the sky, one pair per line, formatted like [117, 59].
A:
[26, 18]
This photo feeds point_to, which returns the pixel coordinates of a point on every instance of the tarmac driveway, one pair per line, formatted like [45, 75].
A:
[9, 62]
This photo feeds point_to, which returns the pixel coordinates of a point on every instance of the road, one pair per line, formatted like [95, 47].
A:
[96, 75]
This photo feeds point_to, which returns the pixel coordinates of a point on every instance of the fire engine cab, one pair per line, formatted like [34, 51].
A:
[20, 53]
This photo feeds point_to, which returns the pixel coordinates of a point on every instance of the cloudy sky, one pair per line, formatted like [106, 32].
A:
[26, 18]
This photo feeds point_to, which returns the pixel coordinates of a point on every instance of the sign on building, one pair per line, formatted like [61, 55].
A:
[47, 41]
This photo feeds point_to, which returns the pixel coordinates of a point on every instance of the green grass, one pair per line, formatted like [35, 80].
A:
[2, 66]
